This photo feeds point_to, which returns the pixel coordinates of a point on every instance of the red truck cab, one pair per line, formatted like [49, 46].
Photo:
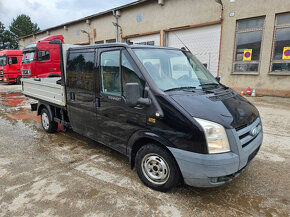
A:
[10, 66]
[42, 58]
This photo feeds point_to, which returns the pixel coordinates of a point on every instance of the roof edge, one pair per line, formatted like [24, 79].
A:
[88, 17]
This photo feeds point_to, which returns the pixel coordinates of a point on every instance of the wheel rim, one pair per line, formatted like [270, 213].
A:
[155, 168]
[45, 121]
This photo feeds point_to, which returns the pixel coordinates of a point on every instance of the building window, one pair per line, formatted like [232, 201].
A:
[249, 34]
[280, 63]
[146, 43]
[99, 42]
[111, 41]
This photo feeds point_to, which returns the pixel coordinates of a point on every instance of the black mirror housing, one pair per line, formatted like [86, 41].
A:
[218, 78]
[132, 94]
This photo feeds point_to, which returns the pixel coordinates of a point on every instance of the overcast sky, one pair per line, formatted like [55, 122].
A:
[49, 13]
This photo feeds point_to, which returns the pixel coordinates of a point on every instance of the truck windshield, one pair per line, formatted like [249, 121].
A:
[28, 57]
[2, 60]
[175, 69]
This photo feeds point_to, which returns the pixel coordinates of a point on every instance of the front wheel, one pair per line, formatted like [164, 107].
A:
[156, 168]
[18, 80]
[48, 124]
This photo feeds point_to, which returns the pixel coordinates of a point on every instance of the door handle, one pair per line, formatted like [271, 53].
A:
[18, 69]
[72, 96]
[97, 102]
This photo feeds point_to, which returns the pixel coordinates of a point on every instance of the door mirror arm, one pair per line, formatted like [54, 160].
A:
[144, 101]
[132, 95]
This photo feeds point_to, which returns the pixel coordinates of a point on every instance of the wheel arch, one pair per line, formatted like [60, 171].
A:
[142, 138]
[41, 106]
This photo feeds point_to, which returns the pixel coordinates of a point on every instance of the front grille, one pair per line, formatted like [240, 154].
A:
[25, 72]
[248, 133]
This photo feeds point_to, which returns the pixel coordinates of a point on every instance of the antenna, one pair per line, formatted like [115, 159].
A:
[181, 42]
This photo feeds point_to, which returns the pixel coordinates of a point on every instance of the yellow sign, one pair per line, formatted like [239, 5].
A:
[286, 53]
[247, 55]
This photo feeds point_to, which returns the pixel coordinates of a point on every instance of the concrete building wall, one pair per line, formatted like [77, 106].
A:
[147, 18]
[263, 82]
[140, 19]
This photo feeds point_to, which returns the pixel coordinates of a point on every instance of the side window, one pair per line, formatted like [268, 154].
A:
[12, 60]
[129, 74]
[80, 69]
[43, 55]
[110, 72]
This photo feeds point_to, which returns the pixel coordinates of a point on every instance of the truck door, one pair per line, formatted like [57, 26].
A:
[14, 67]
[116, 121]
[48, 60]
[80, 92]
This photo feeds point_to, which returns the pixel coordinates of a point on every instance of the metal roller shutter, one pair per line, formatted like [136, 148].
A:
[204, 42]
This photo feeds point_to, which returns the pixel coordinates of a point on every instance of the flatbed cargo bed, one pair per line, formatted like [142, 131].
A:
[45, 89]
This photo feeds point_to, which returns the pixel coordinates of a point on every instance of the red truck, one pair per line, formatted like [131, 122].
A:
[42, 58]
[10, 66]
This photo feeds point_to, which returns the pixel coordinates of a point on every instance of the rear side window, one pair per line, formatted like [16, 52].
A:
[12, 60]
[43, 55]
[110, 72]
[80, 67]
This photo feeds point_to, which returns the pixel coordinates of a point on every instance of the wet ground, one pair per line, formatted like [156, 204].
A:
[65, 174]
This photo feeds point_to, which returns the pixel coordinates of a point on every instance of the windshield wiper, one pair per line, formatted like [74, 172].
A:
[216, 84]
[180, 88]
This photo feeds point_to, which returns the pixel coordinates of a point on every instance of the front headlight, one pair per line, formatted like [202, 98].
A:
[216, 137]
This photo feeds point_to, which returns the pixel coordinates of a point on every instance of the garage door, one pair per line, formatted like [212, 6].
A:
[153, 39]
[204, 42]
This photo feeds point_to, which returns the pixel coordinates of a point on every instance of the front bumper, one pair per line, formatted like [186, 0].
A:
[211, 170]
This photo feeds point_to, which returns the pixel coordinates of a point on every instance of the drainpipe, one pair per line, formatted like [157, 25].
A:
[222, 19]
[117, 26]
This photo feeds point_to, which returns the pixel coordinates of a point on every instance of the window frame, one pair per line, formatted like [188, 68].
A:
[235, 48]
[41, 60]
[130, 59]
[100, 71]
[81, 51]
[12, 57]
[272, 60]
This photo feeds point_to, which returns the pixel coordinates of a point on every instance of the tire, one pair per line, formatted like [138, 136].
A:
[18, 80]
[47, 123]
[156, 168]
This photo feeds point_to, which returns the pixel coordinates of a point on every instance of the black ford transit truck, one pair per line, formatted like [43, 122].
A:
[158, 106]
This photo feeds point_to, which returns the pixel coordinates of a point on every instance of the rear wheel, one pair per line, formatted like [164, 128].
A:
[156, 168]
[48, 124]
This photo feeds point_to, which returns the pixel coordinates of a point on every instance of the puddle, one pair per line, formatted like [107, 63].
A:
[23, 115]
[15, 106]
[12, 99]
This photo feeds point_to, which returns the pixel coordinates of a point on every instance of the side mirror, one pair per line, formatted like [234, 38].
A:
[218, 78]
[132, 95]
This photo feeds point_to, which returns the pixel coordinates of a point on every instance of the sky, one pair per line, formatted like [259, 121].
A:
[49, 13]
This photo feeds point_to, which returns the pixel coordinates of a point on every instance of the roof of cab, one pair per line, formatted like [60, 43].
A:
[11, 52]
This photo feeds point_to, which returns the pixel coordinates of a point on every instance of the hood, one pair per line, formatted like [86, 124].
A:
[225, 107]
